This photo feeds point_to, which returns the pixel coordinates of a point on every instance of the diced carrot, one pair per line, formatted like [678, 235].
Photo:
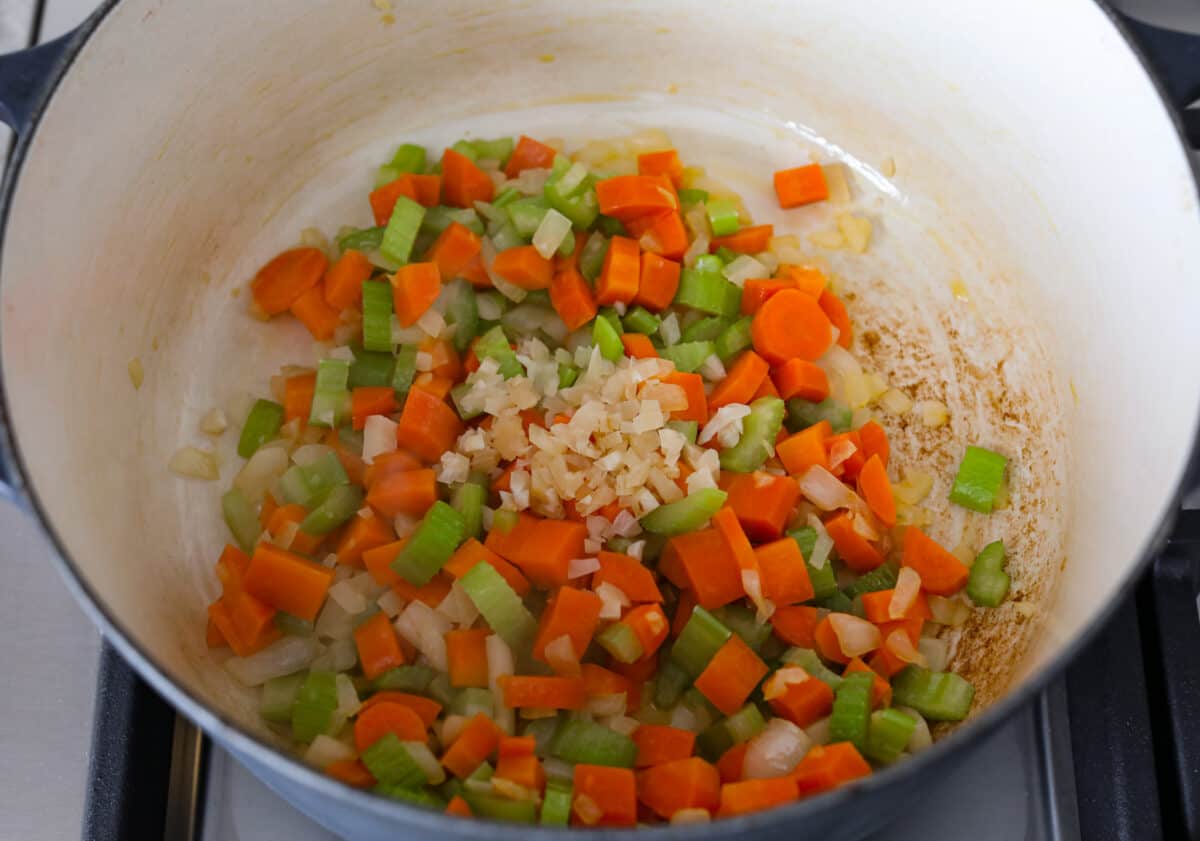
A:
[877, 607]
[746, 241]
[801, 185]
[571, 612]
[378, 562]
[371, 400]
[428, 426]
[631, 196]
[638, 346]
[795, 624]
[378, 646]
[874, 441]
[293, 515]
[476, 273]
[659, 743]
[836, 311]
[693, 388]
[855, 550]
[688, 783]
[726, 523]
[767, 389]
[762, 502]
[431, 383]
[732, 674]
[473, 552]
[523, 266]
[803, 703]
[881, 690]
[639, 671]
[243, 645]
[747, 796]
[350, 457]
[604, 796]
[415, 287]
[875, 488]
[808, 279]
[941, 573]
[282, 281]
[287, 582]
[650, 625]
[268, 508]
[828, 766]
[711, 569]
[886, 663]
[731, 764]
[740, 382]
[410, 492]
[619, 273]
[664, 162]
[458, 806]
[849, 468]
[466, 654]
[516, 746]
[312, 311]
[525, 770]
[213, 637]
[454, 249]
[463, 183]
[784, 577]
[803, 379]
[383, 199]
[572, 298]
[445, 359]
[351, 772]
[757, 291]
[628, 575]
[344, 280]
[428, 186]
[542, 549]
[554, 693]
[789, 325]
[662, 234]
[805, 449]
[911, 626]
[385, 464]
[827, 643]
[426, 709]
[529, 154]
[375, 722]
[474, 745]
[298, 395]
[431, 593]
[658, 281]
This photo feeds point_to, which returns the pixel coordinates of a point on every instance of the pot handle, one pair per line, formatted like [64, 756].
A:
[1175, 59]
[24, 81]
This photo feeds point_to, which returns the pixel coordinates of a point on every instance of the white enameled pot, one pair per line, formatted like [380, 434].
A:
[1033, 265]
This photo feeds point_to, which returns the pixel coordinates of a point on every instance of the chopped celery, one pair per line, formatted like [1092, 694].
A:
[759, 430]
[705, 330]
[506, 236]
[556, 803]
[727, 254]
[390, 763]
[575, 201]
[939, 696]
[362, 239]
[416, 796]
[401, 231]
[505, 520]
[506, 197]
[641, 320]
[702, 636]
[804, 413]
[688, 429]
[467, 149]
[339, 505]
[542, 730]
[439, 533]
[241, 519]
[888, 734]
[494, 345]
[978, 479]
[691, 196]
[413, 678]
[688, 356]
[526, 214]
[278, 697]
[823, 580]
[684, 515]
[708, 292]
[610, 315]
[988, 583]
[740, 727]
[500, 808]
[567, 375]
[839, 602]
[500, 606]
[440, 689]
[313, 709]
[377, 316]
[742, 621]
[438, 219]
[670, 684]
[883, 577]
[607, 339]
[406, 368]
[722, 216]
[611, 227]
[492, 150]
[734, 339]
[620, 640]
[591, 258]
[463, 313]
[408, 158]
[592, 743]
[709, 263]
[370, 368]
[468, 499]
[293, 626]
[309, 484]
[806, 539]
[262, 425]
[852, 709]
[808, 660]
[471, 700]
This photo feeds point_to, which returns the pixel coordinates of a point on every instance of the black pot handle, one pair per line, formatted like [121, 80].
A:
[1174, 57]
[24, 80]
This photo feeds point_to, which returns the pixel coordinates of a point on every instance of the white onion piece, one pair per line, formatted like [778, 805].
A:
[349, 597]
[904, 596]
[560, 655]
[554, 228]
[500, 664]
[603, 706]
[777, 684]
[825, 490]
[669, 330]
[213, 422]
[557, 769]
[490, 308]
[310, 453]
[775, 751]
[818, 731]
[685, 718]
[260, 472]
[338, 656]
[899, 645]
[347, 696]
[379, 436]
[686, 817]
[936, 653]
[452, 727]
[579, 567]
[288, 655]
[193, 463]
[612, 599]
[325, 750]
[864, 523]
[855, 636]
[423, 756]
[391, 603]
[425, 629]
[823, 545]
[458, 608]
[622, 724]
[744, 268]
[949, 611]
[712, 369]
[840, 452]
[921, 737]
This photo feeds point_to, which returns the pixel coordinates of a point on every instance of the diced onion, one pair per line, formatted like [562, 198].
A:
[842, 450]
[818, 731]
[921, 737]
[379, 436]
[936, 653]
[213, 422]
[776, 685]
[775, 751]
[743, 268]
[347, 697]
[825, 490]
[288, 655]
[452, 727]
[900, 645]
[194, 463]
[712, 369]
[325, 750]
[554, 228]
[904, 595]
[560, 655]
[391, 603]
[685, 718]
[587, 810]
[579, 567]
[500, 664]
[691, 815]
[430, 765]
[933, 413]
[489, 308]
[622, 724]
[669, 330]
[603, 706]
[823, 545]
[425, 629]
[855, 636]
[949, 611]
[333, 622]
[348, 597]
[457, 607]
[612, 600]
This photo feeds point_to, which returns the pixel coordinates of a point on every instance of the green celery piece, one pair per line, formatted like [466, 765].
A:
[708, 291]
[567, 375]
[241, 518]
[293, 626]
[607, 339]
[852, 709]
[278, 697]
[688, 356]
[684, 515]
[331, 397]
[471, 700]
[988, 583]
[823, 579]
[641, 320]
[370, 368]
[620, 640]
[939, 696]
[611, 227]
[500, 605]
[413, 678]
[591, 258]
[803, 413]
[262, 425]
[806, 539]
[438, 534]
[740, 727]
[377, 316]
[839, 602]
[578, 204]
[500, 808]
[506, 237]
[759, 431]
[722, 216]
[310, 484]
[467, 149]
[405, 370]
[556, 803]
[313, 709]
[727, 254]
[709, 263]
[341, 503]
[401, 230]
[440, 689]
[808, 660]
[702, 636]
[362, 239]
[483, 773]
[734, 339]
[883, 577]
[467, 500]
[706, 329]
[438, 219]
[504, 520]
[526, 214]
[692, 196]
[493, 150]
[492, 297]
[591, 743]
[385, 175]
[506, 197]
[408, 158]
[457, 394]
[463, 313]
[979, 476]
[494, 345]
[415, 796]
[351, 439]
[888, 734]
[688, 429]
[671, 682]
[567, 247]
[610, 315]
[742, 621]
[542, 730]
[390, 763]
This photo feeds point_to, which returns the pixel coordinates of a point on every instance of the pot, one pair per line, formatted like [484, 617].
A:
[1036, 237]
